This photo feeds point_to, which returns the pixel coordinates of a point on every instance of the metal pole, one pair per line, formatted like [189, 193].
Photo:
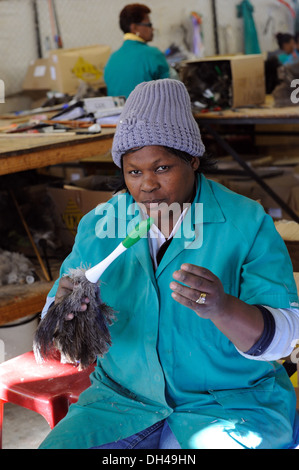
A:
[251, 172]
[215, 25]
[37, 30]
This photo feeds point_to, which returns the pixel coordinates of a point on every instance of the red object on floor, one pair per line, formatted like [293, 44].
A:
[48, 388]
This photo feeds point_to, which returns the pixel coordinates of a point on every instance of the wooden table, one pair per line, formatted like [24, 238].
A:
[21, 152]
[265, 114]
[17, 301]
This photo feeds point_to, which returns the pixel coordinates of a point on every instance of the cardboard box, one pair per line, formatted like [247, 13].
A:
[69, 66]
[70, 205]
[293, 249]
[38, 76]
[294, 198]
[64, 68]
[289, 232]
[241, 78]
[282, 185]
[276, 137]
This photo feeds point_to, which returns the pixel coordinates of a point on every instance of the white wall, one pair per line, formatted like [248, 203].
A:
[86, 22]
[230, 28]
[17, 42]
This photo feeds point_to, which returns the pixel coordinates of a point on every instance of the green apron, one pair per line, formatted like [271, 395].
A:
[165, 361]
[135, 62]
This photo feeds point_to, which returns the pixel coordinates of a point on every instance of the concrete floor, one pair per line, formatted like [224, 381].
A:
[22, 428]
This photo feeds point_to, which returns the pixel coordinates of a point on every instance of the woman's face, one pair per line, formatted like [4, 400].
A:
[289, 47]
[156, 179]
[142, 29]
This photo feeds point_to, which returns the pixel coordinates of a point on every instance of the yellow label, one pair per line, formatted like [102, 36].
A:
[294, 379]
[86, 71]
[72, 216]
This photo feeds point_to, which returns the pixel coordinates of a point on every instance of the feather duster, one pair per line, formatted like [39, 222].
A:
[86, 335]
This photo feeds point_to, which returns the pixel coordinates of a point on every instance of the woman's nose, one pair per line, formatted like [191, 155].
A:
[149, 183]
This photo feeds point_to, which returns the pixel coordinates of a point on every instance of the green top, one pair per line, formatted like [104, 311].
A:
[138, 232]
[165, 361]
[135, 62]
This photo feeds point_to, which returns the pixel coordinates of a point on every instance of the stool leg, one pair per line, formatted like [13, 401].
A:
[1, 421]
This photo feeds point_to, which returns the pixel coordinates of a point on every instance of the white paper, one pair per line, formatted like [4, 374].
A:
[53, 72]
[39, 71]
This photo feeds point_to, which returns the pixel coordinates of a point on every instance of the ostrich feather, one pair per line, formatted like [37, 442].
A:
[86, 335]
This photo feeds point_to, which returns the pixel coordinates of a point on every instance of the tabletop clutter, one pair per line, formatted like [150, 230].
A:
[78, 116]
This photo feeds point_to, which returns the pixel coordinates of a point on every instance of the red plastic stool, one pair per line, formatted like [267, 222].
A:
[48, 388]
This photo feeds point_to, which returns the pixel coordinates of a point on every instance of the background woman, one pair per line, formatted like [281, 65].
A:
[135, 61]
[288, 46]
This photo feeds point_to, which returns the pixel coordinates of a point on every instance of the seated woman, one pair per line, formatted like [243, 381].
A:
[135, 61]
[288, 47]
[205, 304]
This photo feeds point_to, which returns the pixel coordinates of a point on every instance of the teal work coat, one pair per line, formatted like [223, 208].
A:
[165, 361]
[133, 63]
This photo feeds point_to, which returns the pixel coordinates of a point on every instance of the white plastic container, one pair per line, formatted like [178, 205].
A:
[17, 337]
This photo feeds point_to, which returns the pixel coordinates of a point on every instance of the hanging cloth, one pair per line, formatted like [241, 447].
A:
[198, 46]
[245, 11]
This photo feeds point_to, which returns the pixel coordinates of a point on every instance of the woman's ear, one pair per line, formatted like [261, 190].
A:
[134, 29]
[195, 163]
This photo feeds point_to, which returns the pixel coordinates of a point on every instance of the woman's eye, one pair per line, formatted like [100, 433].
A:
[162, 168]
[159, 169]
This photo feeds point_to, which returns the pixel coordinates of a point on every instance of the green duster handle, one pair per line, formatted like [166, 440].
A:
[94, 274]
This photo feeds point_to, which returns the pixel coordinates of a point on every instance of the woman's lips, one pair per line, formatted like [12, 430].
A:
[153, 203]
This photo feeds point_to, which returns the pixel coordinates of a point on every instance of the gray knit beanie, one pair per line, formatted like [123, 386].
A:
[157, 113]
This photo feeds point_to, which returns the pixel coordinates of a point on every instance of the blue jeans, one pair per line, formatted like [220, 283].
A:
[158, 436]
[296, 431]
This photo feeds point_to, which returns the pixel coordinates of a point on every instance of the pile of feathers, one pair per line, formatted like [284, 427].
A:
[15, 268]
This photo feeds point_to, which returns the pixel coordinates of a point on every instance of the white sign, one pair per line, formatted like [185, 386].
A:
[2, 92]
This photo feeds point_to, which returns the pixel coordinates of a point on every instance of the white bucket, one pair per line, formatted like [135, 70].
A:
[17, 337]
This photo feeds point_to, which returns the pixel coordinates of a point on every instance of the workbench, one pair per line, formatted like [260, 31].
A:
[265, 114]
[21, 152]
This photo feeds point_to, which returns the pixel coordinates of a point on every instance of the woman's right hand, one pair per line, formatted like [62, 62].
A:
[65, 288]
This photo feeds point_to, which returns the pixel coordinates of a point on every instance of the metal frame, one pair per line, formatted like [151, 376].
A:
[208, 124]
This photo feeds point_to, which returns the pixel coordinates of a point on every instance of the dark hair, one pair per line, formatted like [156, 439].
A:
[133, 13]
[206, 163]
[283, 38]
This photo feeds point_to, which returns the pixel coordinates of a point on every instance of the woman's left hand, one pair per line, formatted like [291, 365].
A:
[202, 291]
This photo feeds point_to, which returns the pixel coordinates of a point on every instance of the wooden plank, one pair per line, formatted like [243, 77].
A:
[19, 301]
[265, 111]
[253, 113]
[13, 143]
[23, 155]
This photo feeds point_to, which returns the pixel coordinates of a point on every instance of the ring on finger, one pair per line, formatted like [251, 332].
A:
[202, 298]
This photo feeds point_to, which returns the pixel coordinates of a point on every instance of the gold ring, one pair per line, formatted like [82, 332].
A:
[202, 298]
